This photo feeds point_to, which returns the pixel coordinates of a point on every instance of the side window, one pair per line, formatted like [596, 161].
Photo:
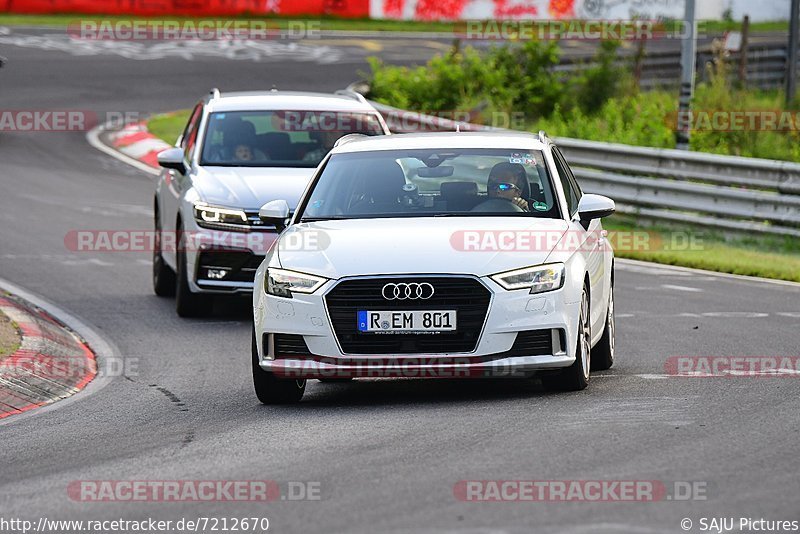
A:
[570, 176]
[564, 174]
[189, 139]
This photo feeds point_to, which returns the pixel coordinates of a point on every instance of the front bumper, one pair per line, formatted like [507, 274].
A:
[416, 367]
[225, 262]
[296, 338]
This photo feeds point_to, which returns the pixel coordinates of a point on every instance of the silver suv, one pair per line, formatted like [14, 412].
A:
[238, 152]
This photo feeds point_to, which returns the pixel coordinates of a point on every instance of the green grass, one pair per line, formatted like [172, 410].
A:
[168, 126]
[9, 336]
[767, 257]
[335, 23]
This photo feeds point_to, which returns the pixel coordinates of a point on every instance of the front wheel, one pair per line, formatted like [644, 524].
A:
[603, 352]
[163, 275]
[271, 389]
[188, 304]
[576, 376]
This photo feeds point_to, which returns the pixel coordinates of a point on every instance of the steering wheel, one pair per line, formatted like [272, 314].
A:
[497, 204]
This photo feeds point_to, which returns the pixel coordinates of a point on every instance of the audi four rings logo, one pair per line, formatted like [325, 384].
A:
[412, 291]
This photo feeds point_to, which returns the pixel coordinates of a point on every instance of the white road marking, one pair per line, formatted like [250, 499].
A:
[736, 315]
[89, 261]
[682, 288]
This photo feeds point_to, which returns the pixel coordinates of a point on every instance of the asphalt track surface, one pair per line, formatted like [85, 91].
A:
[386, 454]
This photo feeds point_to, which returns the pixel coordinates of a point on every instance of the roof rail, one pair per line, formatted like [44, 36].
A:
[543, 136]
[352, 94]
[214, 93]
[343, 140]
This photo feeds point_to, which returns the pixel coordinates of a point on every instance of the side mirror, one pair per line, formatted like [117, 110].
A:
[275, 212]
[594, 207]
[172, 158]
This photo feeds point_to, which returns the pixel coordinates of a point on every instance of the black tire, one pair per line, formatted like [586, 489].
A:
[187, 304]
[603, 352]
[163, 275]
[576, 376]
[271, 389]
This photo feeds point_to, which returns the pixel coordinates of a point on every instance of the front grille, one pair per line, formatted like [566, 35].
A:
[532, 343]
[290, 345]
[467, 296]
[239, 266]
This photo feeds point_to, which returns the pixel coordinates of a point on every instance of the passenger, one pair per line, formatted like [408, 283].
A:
[243, 153]
[239, 143]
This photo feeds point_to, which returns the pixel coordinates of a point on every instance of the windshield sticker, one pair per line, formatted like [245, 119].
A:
[540, 206]
[522, 159]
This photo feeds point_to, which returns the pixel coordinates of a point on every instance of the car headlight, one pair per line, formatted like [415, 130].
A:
[217, 217]
[282, 283]
[539, 279]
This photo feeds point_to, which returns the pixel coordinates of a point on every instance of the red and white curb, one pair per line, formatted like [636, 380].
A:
[52, 363]
[133, 144]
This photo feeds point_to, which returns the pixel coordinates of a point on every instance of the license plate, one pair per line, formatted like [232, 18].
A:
[392, 322]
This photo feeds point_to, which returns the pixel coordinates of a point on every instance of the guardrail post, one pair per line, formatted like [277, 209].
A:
[744, 49]
[638, 64]
[688, 60]
[791, 71]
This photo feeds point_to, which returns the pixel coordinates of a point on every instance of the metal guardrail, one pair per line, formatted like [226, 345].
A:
[726, 192]
[766, 66]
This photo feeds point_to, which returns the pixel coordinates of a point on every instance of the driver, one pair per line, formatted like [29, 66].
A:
[325, 140]
[507, 181]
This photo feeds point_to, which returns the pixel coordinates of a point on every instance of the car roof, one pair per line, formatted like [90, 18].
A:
[503, 140]
[286, 100]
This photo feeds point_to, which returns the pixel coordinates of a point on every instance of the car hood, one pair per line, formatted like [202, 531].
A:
[461, 245]
[250, 188]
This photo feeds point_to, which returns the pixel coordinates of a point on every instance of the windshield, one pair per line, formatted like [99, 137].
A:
[279, 138]
[432, 182]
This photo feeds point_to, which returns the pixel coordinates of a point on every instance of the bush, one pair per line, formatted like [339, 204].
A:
[602, 81]
[597, 104]
[504, 79]
[447, 83]
[640, 119]
[529, 77]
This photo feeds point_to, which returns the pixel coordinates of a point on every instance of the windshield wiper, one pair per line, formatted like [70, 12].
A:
[318, 219]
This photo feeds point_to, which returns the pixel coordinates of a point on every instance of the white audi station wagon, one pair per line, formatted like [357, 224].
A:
[435, 255]
[237, 152]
